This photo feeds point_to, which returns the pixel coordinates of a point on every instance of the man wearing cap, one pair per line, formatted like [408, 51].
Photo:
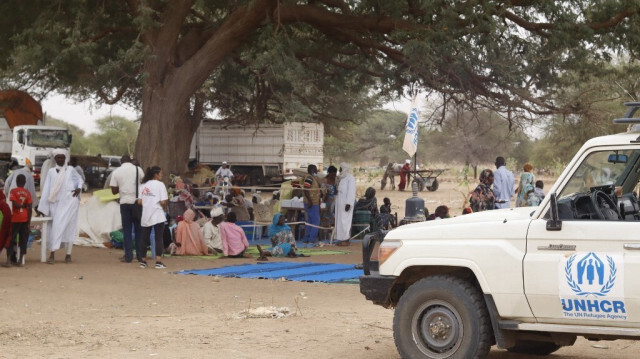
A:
[404, 173]
[60, 200]
[30, 186]
[211, 231]
[222, 172]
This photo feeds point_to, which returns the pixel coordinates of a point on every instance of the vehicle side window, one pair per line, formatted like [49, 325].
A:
[601, 184]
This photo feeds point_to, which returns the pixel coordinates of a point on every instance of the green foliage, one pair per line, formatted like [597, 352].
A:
[469, 137]
[115, 136]
[379, 137]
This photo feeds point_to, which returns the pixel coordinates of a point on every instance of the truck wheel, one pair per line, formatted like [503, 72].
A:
[442, 317]
[534, 347]
[434, 185]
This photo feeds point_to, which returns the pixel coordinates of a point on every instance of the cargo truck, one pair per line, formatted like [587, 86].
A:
[23, 137]
[267, 154]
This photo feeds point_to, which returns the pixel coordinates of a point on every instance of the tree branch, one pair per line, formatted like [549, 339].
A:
[112, 101]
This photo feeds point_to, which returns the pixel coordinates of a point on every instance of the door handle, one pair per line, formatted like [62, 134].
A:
[559, 247]
[635, 246]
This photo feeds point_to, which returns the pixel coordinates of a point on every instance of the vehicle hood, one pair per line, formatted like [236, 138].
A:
[499, 223]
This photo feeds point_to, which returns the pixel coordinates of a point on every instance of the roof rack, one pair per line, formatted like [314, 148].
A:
[628, 117]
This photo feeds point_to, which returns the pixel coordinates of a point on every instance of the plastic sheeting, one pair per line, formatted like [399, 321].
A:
[97, 220]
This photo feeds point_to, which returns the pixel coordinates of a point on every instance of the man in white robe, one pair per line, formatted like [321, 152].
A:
[60, 200]
[345, 200]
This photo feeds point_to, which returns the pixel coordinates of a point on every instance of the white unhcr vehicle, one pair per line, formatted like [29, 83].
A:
[528, 280]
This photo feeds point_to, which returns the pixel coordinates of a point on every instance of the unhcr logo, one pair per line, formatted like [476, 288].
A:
[588, 287]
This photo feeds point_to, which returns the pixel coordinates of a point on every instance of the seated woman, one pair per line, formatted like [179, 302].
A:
[282, 240]
[368, 202]
[189, 238]
[234, 241]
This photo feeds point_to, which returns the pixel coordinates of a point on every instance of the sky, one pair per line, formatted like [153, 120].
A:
[83, 114]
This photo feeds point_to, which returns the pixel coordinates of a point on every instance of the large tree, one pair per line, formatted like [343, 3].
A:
[319, 60]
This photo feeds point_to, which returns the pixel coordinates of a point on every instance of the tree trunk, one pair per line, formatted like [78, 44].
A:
[166, 131]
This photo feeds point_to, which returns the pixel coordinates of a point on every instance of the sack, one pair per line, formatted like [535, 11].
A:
[137, 212]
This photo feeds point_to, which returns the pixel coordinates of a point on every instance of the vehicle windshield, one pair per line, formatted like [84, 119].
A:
[618, 168]
[48, 138]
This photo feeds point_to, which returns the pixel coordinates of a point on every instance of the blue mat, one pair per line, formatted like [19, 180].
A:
[301, 272]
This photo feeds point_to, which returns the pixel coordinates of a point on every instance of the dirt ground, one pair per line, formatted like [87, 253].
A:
[97, 307]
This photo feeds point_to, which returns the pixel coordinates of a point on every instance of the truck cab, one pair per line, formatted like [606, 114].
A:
[528, 279]
[32, 144]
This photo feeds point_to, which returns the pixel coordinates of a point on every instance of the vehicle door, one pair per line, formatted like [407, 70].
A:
[582, 270]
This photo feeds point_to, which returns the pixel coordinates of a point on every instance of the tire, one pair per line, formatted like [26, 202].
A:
[455, 308]
[434, 185]
[532, 347]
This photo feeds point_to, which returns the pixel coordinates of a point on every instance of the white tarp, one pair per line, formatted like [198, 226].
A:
[97, 220]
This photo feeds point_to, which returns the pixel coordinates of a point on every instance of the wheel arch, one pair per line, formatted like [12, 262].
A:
[413, 274]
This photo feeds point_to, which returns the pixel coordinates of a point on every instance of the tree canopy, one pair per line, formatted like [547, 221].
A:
[315, 60]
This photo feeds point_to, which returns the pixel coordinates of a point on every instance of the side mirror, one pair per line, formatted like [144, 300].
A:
[21, 137]
[554, 223]
[70, 138]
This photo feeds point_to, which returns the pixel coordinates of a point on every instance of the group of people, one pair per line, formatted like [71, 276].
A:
[339, 195]
[496, 189]
[60, 198]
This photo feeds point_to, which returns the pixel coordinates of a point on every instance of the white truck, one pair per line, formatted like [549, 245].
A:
[528, 279]
[268, 153]
[23, 137]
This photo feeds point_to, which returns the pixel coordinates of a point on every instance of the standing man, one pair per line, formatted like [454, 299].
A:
[125, 180]
[311, 205]
[77, 167]
[404, 173]
[503, 183]
[30, 185]
[60, 200]
[345, 201]
[44, 169]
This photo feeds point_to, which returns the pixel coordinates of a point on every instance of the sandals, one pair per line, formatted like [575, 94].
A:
[343, 243]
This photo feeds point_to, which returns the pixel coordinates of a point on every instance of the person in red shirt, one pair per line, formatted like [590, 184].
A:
[5, 228]
[21, 201]
[404, 175]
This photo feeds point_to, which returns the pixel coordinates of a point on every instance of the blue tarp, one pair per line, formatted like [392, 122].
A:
[302, 272]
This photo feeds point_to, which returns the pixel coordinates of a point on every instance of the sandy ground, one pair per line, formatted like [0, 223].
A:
[97, 307]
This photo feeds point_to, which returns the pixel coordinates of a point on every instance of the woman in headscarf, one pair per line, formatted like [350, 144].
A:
[189, 238]
[526, 193]
[282, 240]
[344, 205]
[368, 202]
[5, 228]
[482, 198]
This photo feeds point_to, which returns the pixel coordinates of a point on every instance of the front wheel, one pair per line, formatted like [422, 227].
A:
[442, 317]
[534, 347]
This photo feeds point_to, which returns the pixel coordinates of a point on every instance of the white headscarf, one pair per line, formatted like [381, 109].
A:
[345, 169]
[62, 172]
